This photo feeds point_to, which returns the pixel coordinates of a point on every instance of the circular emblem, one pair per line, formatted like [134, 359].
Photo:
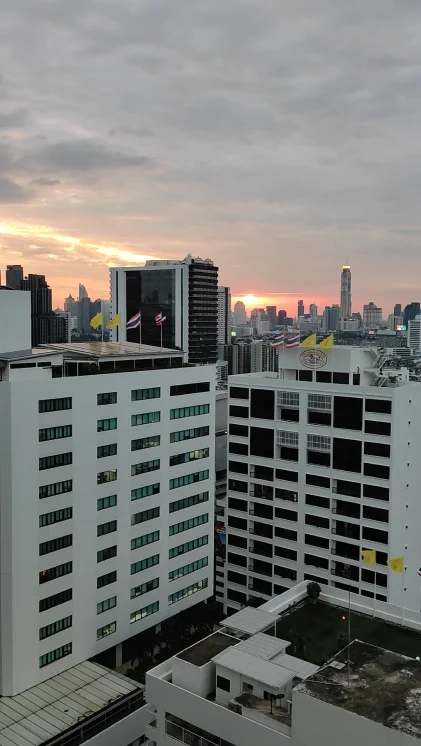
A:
[313, 358]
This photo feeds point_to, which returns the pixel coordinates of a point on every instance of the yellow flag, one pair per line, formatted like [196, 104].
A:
[115, 321]
[327, 344]
[310, 341]
[396, 564]
[368, 556]
[96, 321]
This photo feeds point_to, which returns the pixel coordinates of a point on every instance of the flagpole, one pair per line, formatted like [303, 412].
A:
[349, 634]
[161, 334]
[403, 592]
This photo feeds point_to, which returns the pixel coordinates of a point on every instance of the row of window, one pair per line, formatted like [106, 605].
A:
[108, 603]
[187, 569]
[108, 450]
[55, 405]
[144, 515]
[140, 590]
[180, 412]
[106, 502]
[106, 630]
[106, 528]
[56, 600]
[184, 592]
[147, 491]
[52, 462]
[194, 432]
[182, 481]
[188, 546]
[145, 467]
[103, 426]
[54, 433]
[185, 458]
[188, 502]
[58, 488]
[55, 655]
[55, 627]
[56, 516]
[149, 442]
[147, 418]
[55, 572]
[136, 616]
[143, 541]
[144, 564]
[55, 544]
[198, 520]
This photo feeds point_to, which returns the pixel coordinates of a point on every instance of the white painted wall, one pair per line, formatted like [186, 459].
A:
[15, 320]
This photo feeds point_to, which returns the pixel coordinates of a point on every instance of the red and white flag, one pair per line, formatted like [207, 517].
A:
[293, 341]
[279, 341]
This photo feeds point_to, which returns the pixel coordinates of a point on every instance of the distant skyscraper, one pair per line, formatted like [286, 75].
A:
[414, 333]
[224, 315]
[271, 312]
[397, 311]
[69, 305]
[84, 314]
[372, 316]
[410, 312]
[47, 327]
[14, 276]
[346, 303]
[300, 310]
[281, 314]
[83, 293]
[313, 312]
[239, 316]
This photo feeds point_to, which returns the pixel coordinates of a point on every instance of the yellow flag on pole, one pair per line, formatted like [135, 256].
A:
[115, 321]
[327, 343]
[368, 556]
[310, 341]
[96, 321]
[396, 564]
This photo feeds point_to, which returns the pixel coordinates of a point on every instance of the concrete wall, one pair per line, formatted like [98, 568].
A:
[199, 680]
[124, 732]
[15, 320]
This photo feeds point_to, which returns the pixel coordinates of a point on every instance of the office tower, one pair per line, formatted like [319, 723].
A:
[260, 321]
[346, 302]
[224, 315]
[106, 311]
[47, 327]
[313, 312]
[14, 276]
[239, 317]
[185, 291]
[411, 311]
[372, 316]
[315, 473]
[271, 312]
[395, 322]
[83, 293]
[326, 319]
[335, 317]
[84, 314]
[300, 310]
[110, 510]
[414, 334]
[397, 311]
[69, 305]
[282, 314]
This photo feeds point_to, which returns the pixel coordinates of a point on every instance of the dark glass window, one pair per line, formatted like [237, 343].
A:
[233, 595]
[265, 550]
[375, 534]
[223, 683]
[355, 379]
[377, 449]
[348, 413]
[288, 495]
[352, 510]
[340, 378]
[241, 449]
[289, 454]
[189, 388]
[241, 431]
[317, 541]
[239, 467]
[315, 578]
[262, 472]
[318, 458]
[239, 412]
[317, 481]
[237, 577]
[262, 529]
[261, 442]
[285, 572]
[375, 470]
[236, 504]
[317, 501]
[377, 428]
[237, 559]
[237, 541]
[375, 514]
[290, 554]
[323, 376]
[262, 404]
[238, 392]
[287, 476]
[376, 493]
[290, 415]
[316, 520]
[319, 418]
[315, 561]
[347, 454]
[380, 406]
[262, 511]
[236, 485]
[286, 515]
[352, 489]
[285, 533]
[151, 291]
[305, 375]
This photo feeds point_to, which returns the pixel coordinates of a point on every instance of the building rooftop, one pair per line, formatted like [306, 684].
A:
[99, 350]
[250, 620]
[205, 650]
[60, 706]
[264, 646]
[273, 675]
[383, 686]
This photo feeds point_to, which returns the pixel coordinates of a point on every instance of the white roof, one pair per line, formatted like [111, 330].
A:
[46, 710]
[257, 669]
[299, 667]
[263, 646]
[250, 620]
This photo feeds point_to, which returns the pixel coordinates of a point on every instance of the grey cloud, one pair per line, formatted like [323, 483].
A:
[11, 193]
[45, 181]
[16, 118]
[125, 129]
[86, 155]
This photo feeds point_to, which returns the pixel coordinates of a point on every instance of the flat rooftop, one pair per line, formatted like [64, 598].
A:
[383, 686]
[98, 350]
[250, 620]
[203, 652]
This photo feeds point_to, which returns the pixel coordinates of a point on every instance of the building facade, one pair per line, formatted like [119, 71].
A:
[14, 276]
[224, 315]
[372, 316]
[346, 298]
[414, 334]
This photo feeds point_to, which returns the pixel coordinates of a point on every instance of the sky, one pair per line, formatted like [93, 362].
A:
[278, 138]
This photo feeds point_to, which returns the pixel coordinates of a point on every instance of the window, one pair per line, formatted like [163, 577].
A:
[105, 554]
[140, 492]
[56, 600]
[236, 559]
[55, 572]
[188, 502]
[237, 541]
[140, 590]
[187, 569]
[184, 592]
[375, 514]
[262, 404]
[314, 561]
[106, 528]
[347, 454]
[144, 564]
[239, 467]
[323, 376]
[47, 519]
[55, 544]
[377, 449]
[108, 629]
[103, 425]
[261, 442]
[345, 487]
[109, 603]
[305, 375]
[144, 467]
[236, 522]
[288, 399]
[58, 626]
[55, 655]
[239, 448]
[188, 547]
[236, 411]
[189, 388]
[289, 415]
[379, 406]
[142, 394]
[286, 476]
[107, 579]
[377, 471]
[318, 458]
[317, 501]
[286, 553]
[198, 520]
[288, 495]
[316, 481]
[58, 488]
[286, 515]
[54, 433]
[241, 431]
[238, 392]
[376, 493]
[136, 616]
[109, 398]
[340, 378]
[234, 595]
[149, 442]
[236, 485]
[285, 438]
[198, 476]
[319, 442]
[348, 413]
[52, 462]
[235, 504]
[185, 458]
[106, 476]
[108, 450]
[145, 419]
[285, 572]
[180, 412]
[319, 418]
[317, 541]
[285, 533]
[143, 541]
[223, 683]
[194, 432]
[377, 428]
[106, 502]
[55, 405]
[145, 515]
[318, 521]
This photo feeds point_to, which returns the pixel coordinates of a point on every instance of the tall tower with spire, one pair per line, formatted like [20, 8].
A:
[346, 305]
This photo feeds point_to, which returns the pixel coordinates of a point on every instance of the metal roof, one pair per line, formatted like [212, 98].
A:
[250, 620]
[112, 349]
[263, 646]
[47, 709]
[257, 669]
[297, 665]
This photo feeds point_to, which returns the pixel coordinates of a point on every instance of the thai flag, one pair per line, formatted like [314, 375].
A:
[293, 341]
[159, 319]
[134, 321]
[278, 341]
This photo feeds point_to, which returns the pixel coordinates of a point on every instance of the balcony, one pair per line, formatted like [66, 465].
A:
[192, 736]
[348, 530]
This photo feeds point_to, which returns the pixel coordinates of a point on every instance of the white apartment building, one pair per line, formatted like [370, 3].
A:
[106, 497]
[414, 334]
[323, 462]
[240, 686]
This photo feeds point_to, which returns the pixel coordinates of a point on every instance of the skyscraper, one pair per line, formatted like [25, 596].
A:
[372, 316]
[14, 276]
[224, 315]
[69, 305]
[346, 303]
[300, 310]
[83, 293]
[397, 311]
[411, 311]
[239, 316]
[271, 312]
[47, 327]
[313, 312]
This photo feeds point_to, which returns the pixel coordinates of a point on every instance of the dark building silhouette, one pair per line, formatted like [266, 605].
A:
[14, 276]
[410, 312]
[397, 311]
[46, 326]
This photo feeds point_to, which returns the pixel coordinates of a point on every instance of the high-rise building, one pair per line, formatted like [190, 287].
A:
[411, 311]
[335, 317]
[300, 309]
[14, 276]
[83, 293]
[47, 327]
[414, 334]
[224, 315]
[313, 312]
[239, 316]
[397, 311]
[282, 314]
[186, 292]
[372, 316]
[69, 305]
[346, 301]
[306, 489]
[84, 314]
[260, 321]
[271, 312]
[118, 510]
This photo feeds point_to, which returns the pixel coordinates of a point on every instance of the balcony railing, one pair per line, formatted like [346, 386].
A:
[191, 738]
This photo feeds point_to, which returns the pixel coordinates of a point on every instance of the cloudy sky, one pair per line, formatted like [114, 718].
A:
[277, 137]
